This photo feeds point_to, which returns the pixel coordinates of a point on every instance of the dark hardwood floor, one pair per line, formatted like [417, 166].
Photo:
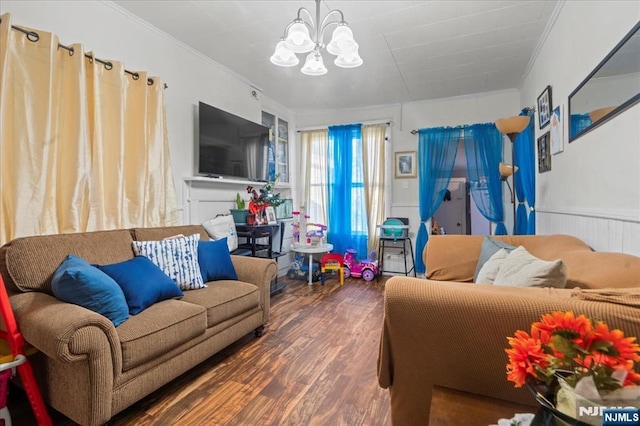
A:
[314, 365]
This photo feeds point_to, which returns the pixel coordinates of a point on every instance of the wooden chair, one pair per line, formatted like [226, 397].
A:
[13, 354]
[332, 262]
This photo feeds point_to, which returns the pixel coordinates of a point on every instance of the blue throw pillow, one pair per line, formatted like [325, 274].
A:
[142, 283]
[76, 281]
[489, 247]
[215, 261]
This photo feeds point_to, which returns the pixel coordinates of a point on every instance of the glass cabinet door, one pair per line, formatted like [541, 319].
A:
[269, 120]
[282, 151]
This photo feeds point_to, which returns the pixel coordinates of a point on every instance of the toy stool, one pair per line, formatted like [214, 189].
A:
[332, 262]
[13, 354]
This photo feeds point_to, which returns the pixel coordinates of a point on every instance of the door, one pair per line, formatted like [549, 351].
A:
[453, 214]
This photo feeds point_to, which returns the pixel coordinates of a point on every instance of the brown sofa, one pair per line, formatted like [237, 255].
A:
[447, 331]
[90, 370]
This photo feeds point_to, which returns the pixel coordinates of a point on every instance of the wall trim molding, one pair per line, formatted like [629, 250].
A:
[631, 216]
[404, 205]
[180, 44]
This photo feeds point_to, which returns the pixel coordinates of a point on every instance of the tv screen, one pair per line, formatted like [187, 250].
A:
[231, 146]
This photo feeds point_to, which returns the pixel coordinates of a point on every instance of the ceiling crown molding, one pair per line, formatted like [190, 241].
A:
[543, 38]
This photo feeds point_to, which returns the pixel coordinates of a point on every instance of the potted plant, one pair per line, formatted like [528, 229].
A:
[240, 212]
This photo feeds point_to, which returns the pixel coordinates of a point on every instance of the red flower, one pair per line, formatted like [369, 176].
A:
[525, 354]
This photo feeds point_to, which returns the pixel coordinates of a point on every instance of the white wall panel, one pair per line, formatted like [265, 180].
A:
[593, 188]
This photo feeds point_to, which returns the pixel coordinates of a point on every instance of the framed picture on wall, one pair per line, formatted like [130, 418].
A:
[406, 164]
[544, 107]
[557, 131]
[544, 153]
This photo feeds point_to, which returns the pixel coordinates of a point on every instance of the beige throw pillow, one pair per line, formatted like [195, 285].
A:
[489, 270]
[521, 268]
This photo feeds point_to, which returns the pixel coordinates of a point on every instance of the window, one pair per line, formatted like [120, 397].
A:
[343, 178]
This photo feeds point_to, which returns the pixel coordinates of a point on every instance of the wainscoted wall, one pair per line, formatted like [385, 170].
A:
[395, 262]
[603, 230]
[205, 198]
[593, 188]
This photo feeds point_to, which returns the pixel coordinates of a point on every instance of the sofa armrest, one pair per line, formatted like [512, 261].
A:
[260, 272]
[455, 335]
[64, 331]
[82, 355]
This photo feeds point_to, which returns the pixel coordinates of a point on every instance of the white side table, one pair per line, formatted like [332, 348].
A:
[311, 250]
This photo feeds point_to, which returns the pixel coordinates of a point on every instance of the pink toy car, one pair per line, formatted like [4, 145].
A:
[367, 269]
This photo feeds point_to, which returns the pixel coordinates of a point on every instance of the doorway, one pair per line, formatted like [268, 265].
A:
[453, 215]
[460, 215]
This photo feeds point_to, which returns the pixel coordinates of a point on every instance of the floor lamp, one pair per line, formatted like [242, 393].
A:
[511, 127]
[507, 170]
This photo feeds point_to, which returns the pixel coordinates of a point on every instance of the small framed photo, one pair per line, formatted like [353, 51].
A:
[544, 153]
[271, 215]
[406, 164]
[544, 107]
[557, 131]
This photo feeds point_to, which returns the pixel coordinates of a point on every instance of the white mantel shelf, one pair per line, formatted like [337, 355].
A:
[231, 181]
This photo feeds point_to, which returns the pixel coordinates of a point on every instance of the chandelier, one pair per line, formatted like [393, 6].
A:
[302, 36]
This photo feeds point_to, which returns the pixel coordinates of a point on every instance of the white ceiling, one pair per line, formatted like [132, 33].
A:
[412, 50]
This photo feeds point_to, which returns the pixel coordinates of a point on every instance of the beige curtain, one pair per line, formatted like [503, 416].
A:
[82, 147]
[373, 149]
[313, 167]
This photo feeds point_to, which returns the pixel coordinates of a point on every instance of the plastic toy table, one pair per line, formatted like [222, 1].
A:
[311, 250]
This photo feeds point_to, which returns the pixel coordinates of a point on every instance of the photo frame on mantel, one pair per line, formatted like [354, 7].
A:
[544, 107]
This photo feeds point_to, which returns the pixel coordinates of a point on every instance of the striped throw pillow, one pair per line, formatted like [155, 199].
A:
[176, 257]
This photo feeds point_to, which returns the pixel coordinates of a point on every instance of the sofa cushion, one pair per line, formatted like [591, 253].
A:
[222, 227]
[215, 261]
[521, 268]
[489, 271]
[158, 329]
[177, 257]
[31, 261]
[142, 283]
[490, 247]
[78, 282]
[225, 299]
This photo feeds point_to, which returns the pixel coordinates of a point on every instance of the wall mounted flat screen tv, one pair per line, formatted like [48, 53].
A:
[231, 146]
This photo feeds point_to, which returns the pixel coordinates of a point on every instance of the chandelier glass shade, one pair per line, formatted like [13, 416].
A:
[302, 36]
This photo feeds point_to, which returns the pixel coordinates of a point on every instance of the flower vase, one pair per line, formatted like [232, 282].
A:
[568, 402]
[560, 401]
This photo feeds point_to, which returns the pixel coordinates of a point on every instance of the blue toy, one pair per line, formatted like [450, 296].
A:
[299, 269]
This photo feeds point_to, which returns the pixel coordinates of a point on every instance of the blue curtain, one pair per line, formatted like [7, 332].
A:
[437, 149]
[483, 149]
[525, 178]
[347, 223]
[577, 124]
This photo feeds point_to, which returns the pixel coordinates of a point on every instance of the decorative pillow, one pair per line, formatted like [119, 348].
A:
[142, 283]
[521, 268]
[76, 281]
[491, 267]
[221, 227]
[489, 248]
[176, 257]
[215, 261]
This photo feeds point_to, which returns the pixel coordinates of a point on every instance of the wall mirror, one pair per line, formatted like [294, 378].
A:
[612, 87]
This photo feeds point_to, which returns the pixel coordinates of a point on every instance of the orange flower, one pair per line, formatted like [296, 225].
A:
[624, 348]
[525, 353]
[562, 340]
[557, 322]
